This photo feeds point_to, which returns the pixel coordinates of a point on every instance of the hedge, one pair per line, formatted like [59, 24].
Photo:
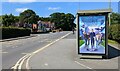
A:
[11, 32]
[114, 32]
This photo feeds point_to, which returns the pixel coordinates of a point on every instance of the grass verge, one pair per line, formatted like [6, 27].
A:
[81, 42]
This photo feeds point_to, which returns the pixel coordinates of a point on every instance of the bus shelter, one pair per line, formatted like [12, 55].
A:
[92, 32]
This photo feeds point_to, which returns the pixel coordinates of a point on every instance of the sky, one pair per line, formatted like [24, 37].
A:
[44, 9]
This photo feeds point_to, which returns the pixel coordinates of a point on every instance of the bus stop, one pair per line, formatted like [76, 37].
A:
[92, 32]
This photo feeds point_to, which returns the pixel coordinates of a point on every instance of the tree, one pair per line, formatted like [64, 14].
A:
[8, 20]
[70, 20]
[62, 20]
[44, 18]
[16, 18]
[114, 30]
[29, 17]
[56, 18]
[115, 18]
[1, 21]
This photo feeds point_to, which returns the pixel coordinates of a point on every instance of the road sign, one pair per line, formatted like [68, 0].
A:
[92, 32]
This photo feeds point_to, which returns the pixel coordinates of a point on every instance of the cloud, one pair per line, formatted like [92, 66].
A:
[21, 0]
[21, 9]
[53, 8]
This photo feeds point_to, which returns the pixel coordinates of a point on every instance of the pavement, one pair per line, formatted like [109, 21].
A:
[62, 54]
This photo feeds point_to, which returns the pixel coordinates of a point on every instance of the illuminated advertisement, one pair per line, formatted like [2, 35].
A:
[92, 34]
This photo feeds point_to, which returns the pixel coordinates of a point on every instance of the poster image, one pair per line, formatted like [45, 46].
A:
[92, 34]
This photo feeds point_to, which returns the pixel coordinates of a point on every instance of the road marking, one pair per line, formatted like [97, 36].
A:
[1, 51]
[84, 65]
[33, 53]
[50, 44]
[4, 52]
[27, 57]
[27, 62]
[24, 53]
[46, 64]
[17, 65]
[21, 63]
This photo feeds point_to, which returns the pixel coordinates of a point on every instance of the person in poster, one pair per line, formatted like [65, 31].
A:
[92, 34]
[92, 37]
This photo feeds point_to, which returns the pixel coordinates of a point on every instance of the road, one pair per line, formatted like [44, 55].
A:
[12, 51]
[60, 55]
[63, 55]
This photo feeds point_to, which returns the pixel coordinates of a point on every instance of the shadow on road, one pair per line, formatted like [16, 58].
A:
[113, 52]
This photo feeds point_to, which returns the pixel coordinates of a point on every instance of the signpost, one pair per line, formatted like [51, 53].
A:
[92, 32]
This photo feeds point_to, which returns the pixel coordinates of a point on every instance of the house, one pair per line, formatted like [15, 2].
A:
[45, 25]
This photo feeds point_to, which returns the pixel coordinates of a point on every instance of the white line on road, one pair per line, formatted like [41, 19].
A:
[46, 64]
[3, 52]
[27, 57]
[16, 65]
[50, 43]
[84, 65]
[21, 63]
[24, 53]
[27, 62]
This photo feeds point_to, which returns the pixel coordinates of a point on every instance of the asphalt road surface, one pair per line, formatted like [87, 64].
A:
[60, 55]
[12, 51]
[63, 55]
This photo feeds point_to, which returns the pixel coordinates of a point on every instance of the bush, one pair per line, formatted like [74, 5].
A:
[11, 32]
[114, 32]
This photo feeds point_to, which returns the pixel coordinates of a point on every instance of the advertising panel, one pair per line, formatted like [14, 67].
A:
[92, 34]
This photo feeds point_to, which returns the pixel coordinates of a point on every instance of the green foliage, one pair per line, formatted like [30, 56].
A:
[114, 32]
[8, 20]
[81, 42]
[0, 20]
[103, 43]
[115, 18]
[44, 18]
[112, 41]
[28, 16]
[62, 20]
[11, 32]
